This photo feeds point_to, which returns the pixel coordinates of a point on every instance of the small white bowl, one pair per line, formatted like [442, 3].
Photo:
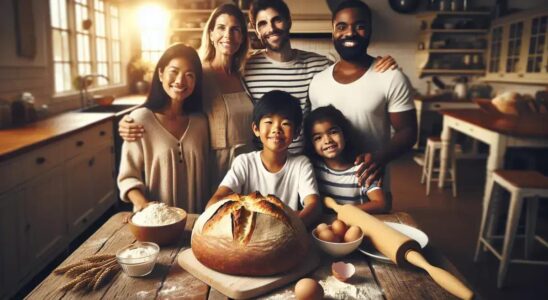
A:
[337, 249]
[138, 259]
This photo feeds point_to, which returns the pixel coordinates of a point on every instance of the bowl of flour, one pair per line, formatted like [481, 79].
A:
[158, 223]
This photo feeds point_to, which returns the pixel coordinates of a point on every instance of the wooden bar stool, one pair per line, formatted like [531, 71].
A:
[430, 172]
[522, 185]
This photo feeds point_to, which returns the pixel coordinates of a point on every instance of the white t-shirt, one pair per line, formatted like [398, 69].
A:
[366, 103]
[292, 183]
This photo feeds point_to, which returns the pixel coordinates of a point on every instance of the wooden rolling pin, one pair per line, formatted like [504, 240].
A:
[398, 247]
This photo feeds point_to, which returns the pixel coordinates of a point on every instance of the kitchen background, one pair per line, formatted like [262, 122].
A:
[394, 33]
[27, 66]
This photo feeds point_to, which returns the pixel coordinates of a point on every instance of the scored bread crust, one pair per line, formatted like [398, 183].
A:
[249, 235]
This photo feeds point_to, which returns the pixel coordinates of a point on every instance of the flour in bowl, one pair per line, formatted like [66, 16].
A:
[156, 214]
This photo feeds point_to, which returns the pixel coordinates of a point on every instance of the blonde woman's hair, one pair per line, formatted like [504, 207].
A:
[207, 51]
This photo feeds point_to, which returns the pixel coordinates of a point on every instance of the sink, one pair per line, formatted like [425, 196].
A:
[115, 108]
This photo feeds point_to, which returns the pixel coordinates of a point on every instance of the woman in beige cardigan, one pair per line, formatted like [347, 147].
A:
[169, 163]
[228, 108]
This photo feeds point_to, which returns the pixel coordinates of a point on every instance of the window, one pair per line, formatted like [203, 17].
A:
[153, 23]
[85, 40]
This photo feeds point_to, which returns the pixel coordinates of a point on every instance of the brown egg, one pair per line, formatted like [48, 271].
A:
[353, 233]
[321, 227]
[327, 236]
[308, 289]
[339, 228]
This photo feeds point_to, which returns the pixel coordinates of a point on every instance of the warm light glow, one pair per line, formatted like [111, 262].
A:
[152, 16]
[153, 23]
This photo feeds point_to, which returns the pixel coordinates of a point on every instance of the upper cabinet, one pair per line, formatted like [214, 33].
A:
[452, 42]
[518, 51]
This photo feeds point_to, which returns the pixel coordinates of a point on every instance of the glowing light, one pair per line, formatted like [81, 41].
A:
[153, 23]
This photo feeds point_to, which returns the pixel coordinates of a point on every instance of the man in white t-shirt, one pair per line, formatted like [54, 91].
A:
[281, 67]
[373, 102]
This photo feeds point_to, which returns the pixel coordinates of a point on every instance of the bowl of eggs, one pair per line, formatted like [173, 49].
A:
[337, 239]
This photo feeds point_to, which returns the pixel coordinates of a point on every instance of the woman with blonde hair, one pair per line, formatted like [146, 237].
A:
[228, 108]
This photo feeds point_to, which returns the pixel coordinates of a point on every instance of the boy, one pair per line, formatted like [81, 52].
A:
[276, 119]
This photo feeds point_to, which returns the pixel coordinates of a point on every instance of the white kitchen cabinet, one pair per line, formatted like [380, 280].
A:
[50, 195]
[518, 49]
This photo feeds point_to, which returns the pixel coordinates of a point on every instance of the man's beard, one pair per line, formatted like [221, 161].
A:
[283, 40]
[351, 53]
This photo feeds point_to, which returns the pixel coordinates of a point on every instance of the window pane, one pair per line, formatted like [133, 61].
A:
[66, 52]
[54, 12]
[101, 50]
[100, 24]
[116, 76]
[115, 51]
[57, 43]
[102, 68]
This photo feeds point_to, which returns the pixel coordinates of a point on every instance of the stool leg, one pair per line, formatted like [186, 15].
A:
[530, 224]
[484, 216]
[430, 170]
[509, 236]
[454, 175]
[424, 165]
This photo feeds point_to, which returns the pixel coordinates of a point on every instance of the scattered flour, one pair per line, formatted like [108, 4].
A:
[156, 214]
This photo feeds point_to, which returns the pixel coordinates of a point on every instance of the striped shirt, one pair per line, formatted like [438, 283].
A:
[341, 185]
[263, 74]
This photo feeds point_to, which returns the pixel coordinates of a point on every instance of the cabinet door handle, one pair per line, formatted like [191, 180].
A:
[79, 143]
[102, 133]
[91, 162]
[40, 160]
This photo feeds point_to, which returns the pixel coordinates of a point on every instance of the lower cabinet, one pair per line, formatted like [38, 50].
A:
[60, 190]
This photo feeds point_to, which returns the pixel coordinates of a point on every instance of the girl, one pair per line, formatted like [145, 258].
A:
[169, 163]
[328, 144]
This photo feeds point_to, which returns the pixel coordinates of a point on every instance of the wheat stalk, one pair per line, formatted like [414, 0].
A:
[89, 273]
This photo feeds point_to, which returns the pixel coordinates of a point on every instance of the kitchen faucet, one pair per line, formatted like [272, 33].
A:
[84, 99]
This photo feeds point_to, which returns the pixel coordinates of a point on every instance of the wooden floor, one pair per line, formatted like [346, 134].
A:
[453, 225]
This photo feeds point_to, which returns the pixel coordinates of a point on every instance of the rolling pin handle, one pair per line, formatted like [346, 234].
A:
[445, 279]
[331, 203]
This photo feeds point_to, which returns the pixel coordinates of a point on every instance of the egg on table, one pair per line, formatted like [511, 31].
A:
[321, 227]
[308, 289]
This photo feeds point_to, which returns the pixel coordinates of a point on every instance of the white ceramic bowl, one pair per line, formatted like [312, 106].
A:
[138, 264]
[337, 249]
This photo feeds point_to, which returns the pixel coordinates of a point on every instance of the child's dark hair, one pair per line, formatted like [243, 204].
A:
[335, 116]
[279, 103]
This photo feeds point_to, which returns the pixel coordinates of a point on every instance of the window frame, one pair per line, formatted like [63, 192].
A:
[73, 29]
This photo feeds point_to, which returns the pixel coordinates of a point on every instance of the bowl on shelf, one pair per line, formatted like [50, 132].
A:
[163, 234]
[103, 100]
[337, 249]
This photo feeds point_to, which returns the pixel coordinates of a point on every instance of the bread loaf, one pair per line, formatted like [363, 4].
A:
[249, 235]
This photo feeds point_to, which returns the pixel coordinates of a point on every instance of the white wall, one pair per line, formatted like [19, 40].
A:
[397, 34]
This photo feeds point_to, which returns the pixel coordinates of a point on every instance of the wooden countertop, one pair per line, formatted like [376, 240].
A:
[374, 279]
[16, 141]
[532, 126]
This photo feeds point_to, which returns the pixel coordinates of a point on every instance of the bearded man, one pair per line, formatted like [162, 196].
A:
[279, 66]
[373, 102]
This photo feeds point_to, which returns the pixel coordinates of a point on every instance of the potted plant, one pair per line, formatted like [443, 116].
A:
[139, 70]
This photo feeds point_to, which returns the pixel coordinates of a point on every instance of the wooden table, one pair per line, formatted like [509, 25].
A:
[499, 131]
[373, 279]
[437, 104]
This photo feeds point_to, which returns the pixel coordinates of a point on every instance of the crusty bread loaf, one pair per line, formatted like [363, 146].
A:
[249, 235]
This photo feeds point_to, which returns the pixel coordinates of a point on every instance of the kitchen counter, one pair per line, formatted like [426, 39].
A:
[373, 279]
[19, 140]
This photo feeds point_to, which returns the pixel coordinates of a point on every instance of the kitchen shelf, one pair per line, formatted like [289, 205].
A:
[452, 72]
[455, 51]
[451, 43]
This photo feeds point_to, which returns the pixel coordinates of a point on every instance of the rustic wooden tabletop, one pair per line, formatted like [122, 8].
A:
[373, 280]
